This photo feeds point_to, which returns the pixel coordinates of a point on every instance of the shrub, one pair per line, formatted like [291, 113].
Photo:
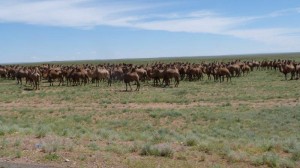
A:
[93, 146]
[191, 141]
[296, 155]
[271, 159]
[42, 131]
[52, 156]
[162, 150]
[18, 154]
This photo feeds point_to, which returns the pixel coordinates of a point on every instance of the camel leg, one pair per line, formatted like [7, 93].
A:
[285, 76]
[292, 75]
[108, 82]
[137, 86]
[176, 83]
[130, 86]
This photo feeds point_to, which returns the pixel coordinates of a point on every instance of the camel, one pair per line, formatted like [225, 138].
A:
[194, 73]
[117, 73]
[78, 76]
[223, 71]
[101, 74]
[157, 74]
[55, 73]
[245, 69]
[170, 73]
[234, 69]
[287, 68]
[35, 79]
[22, 73]
[3, 72]
[130, 77]
[298, 71]
[142, 74]
[182, 72]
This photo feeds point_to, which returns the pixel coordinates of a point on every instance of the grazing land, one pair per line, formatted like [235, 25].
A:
[252, 121]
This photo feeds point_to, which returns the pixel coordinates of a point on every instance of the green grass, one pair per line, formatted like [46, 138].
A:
[52, 157]
[251, 121]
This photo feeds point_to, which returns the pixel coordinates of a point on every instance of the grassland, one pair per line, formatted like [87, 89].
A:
[253, 121]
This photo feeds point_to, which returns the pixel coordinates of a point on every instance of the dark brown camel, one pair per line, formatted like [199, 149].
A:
[55, 73]
[130, 77]
[170, 73]
[286, 69]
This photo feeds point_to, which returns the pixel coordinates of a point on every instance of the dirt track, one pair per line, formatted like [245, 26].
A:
[4, 164]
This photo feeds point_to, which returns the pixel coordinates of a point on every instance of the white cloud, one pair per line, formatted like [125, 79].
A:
[195, 25]
[286, 38]
[72, 13]
[91, 13]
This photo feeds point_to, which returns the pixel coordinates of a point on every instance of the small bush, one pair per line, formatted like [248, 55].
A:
[2, 132]
[134, 148]
[290, 145]
[191, 141]
[268, 146]
[296, 155]
[4, 143]
[93, 146]
[162, 150]
[202, 147]
[18, 154]
[271, 159]
[51, 156]
[147, 150]
[42, 131]
[286, 163]
[17, 143]
[51, 144]
[233, 156]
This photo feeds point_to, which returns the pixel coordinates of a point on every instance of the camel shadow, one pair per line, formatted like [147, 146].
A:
[28, 89]
[125, 91]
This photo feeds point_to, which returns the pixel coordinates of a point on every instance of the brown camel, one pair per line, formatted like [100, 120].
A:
[55, 73]
[101, 74]
[286, 69]
[130, 77]
[223, 71]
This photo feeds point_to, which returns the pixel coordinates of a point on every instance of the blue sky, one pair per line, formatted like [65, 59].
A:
[55, 30]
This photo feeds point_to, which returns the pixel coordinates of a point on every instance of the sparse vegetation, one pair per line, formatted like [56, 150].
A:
[163, 150]
[251, 121]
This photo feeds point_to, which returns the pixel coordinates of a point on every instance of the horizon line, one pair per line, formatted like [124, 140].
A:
[149, 58]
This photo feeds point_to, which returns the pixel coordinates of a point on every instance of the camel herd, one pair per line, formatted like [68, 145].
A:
[162, 74]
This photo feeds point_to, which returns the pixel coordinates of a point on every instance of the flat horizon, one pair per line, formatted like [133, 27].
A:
[162, 58]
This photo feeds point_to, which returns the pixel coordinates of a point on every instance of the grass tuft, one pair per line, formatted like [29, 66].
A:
[162, 150]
